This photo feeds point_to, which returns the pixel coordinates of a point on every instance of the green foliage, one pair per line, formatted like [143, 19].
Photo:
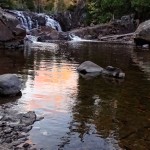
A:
[104, 10]
[142, 8]
[30, 5]
[50, 6]
[98, 11]
[36, 5]
[60, 6]
[6, 4]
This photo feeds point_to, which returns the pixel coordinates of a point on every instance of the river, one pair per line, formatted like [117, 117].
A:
[79, 113]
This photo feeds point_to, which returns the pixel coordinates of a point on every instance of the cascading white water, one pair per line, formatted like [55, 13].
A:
[26, 21]
[75, 38]
[51, 22]
[30, 22]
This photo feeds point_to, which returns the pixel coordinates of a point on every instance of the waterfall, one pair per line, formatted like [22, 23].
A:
[51, 22]
[74, 37]
[29, 22]
[26, 21]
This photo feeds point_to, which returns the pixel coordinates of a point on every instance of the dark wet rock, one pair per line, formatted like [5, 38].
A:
[142, 34]
[48, 33]
[115, 27]
[14, 131]
[73, 18]
[39, 118]
[26, 129]
[114, 72]
[28, 118]
[9, 84]
[89, 67]
[89, 70]
[127, 22]
[26, 145]
[98, 31]
[4, 147]
[10, 29]
[121, 38]
[90, 75]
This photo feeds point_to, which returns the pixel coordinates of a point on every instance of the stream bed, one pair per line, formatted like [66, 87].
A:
[83, 114]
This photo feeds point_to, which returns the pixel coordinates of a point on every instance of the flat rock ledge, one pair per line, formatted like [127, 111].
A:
[14, 128]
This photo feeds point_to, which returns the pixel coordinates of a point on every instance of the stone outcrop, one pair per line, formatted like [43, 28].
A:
[115, 27]
[89, 69]
[10, 29]
[142, 34]
[9, 85]
[74, 17]
[47, 33]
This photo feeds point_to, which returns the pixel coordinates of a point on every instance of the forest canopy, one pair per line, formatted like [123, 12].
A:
[104, 10]
[97, 11]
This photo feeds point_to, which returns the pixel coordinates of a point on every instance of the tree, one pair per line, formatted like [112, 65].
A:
[141, 8]
[49, 5]
[6, 4]
[30, 5]
[59, 6]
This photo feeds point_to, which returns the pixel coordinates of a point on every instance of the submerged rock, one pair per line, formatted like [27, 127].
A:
[114, 72]
[9, 84]
[90, 75]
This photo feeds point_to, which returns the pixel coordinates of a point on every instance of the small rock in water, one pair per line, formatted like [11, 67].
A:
[26, 145]
[114, 72]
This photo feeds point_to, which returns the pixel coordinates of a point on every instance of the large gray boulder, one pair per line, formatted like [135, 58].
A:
[89, 67]
[89, 70]
[142, 34]
[9, 84]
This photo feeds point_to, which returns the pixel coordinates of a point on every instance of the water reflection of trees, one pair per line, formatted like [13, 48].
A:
[11, 61]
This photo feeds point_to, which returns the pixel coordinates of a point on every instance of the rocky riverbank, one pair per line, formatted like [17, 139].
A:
[15, 25]
[14, 128]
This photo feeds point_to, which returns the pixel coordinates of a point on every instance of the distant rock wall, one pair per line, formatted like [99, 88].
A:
[123, 26]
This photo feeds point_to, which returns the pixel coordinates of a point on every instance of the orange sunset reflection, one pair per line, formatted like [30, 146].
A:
[52, 87]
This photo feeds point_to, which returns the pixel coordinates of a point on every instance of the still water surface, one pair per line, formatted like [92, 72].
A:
[84, 114]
